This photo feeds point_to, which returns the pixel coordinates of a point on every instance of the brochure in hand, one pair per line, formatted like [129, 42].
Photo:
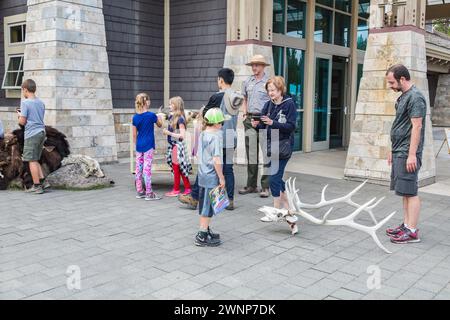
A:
[219, 199]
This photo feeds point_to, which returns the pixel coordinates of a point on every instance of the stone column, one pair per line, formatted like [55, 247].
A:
[441, 110]
[375, 110]
[249, 32]
[66, 55]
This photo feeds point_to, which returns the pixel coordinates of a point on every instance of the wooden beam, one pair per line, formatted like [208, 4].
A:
[438, 11]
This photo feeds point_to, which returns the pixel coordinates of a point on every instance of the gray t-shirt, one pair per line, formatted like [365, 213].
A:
[411, 104]
[2, 132]
[256, 94]
[34, 111]
[210, 146]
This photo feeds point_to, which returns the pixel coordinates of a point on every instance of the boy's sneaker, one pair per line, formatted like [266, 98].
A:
[204, 239]
[152, 197]
[141, 195]
[406, 237]
[212, 234]
[187, 199]
[172, 194]
[187, 192]
[395, 231]
[36, 189]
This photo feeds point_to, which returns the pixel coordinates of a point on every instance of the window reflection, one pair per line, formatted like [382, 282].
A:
[363, 34]
[296, 13]
[342, 30]
[322, 29]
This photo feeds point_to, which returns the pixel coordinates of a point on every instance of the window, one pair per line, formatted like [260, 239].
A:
[278, 58]
[342, 29]
[17, 33]
[278, 16]
[363, 34]
[364, 8]
[296, 22]
[14, 73]
[14, 46]
[323, 25]
[344, 5]
[328, 3]
[294, 83]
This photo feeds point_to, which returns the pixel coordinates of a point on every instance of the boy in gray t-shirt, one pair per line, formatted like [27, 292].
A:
[31, 116]
[210, 174]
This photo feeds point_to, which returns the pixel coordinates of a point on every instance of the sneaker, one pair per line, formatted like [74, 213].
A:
[152, 197]
[189, 200]
[264, 193]
[248, 190]
[35, 189]
[230, 206]
[395, 231]
[204, 239]
[172, 194]
[406, 237]
[212, 234]
[187, 192]
[45, 184]
[140, 195]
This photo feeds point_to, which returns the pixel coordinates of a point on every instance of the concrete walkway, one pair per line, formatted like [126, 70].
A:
[124, 248]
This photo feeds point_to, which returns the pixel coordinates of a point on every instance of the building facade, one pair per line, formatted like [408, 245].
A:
[91, 57]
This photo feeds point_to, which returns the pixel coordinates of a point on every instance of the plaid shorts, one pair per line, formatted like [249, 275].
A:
[32, 149]
[404, 183]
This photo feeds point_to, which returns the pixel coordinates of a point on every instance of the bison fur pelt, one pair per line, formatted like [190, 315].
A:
[56, 148]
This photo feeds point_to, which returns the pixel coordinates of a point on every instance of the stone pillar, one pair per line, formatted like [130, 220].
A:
[375, 110]
[441, 110]
[249, 32]
[66, 55]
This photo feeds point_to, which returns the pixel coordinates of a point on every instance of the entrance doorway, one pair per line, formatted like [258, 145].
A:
[338, 101]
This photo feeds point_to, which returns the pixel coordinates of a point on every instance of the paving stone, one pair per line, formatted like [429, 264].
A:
[128, 254]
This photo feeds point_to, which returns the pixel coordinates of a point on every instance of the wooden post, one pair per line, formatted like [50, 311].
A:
[310, 66]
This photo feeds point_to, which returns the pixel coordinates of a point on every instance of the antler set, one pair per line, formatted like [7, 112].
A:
[296, 208]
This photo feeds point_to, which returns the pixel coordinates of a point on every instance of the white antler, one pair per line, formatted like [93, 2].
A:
[345, 199]
[297, 208]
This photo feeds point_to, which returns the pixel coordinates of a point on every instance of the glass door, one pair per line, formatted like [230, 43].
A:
[322, 103]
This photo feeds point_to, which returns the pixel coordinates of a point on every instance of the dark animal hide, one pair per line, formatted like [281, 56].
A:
[11, 149]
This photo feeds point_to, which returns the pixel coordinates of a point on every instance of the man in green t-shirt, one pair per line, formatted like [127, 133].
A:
[407, 136]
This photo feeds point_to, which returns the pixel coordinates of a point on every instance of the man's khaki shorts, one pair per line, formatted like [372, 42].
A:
[32, 149]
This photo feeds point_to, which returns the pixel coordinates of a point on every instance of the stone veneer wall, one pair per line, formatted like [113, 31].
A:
[66, 55]
[375, 111]
[441, 110]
